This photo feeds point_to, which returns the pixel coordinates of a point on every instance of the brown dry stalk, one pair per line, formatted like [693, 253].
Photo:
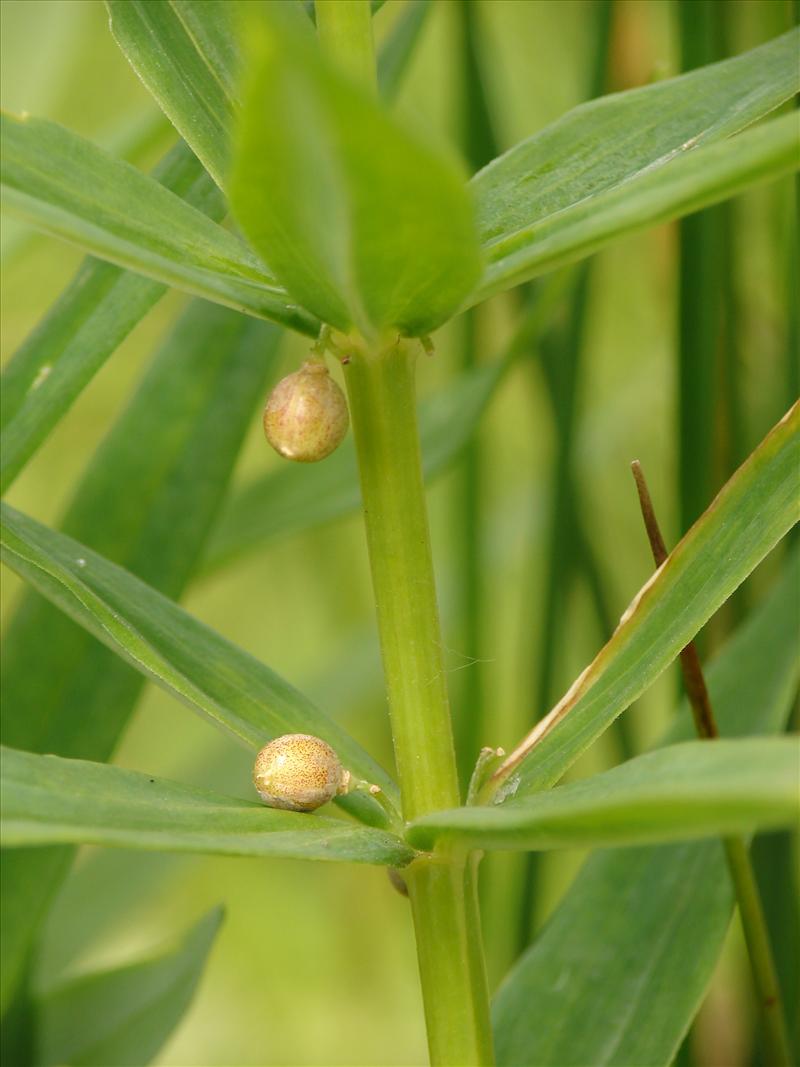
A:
[693, 679]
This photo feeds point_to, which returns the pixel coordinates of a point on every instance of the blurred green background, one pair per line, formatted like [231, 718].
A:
[316, 964]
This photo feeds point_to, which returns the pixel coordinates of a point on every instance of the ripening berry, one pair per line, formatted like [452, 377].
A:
[306, 414]
[299, 772]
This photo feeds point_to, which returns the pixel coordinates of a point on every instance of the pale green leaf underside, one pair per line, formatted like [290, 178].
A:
[123, 1015]
[49, 800]
[631, 159]
[696, 789]
[167, 644]
[69, 188]
[363, 223]
[293, 498]
[759, 504]
[569, 1000]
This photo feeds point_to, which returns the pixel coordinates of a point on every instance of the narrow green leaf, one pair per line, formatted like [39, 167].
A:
[90, 320]
[47, 800]
[124, 1015]
[186, 54]
[618, 991]
[753, 511]
[695, 789]
[399, 46]
[364, 224]
[290, 499]
[696, 180]
[67, 187]
[167, 644]
[622, 162]
[149, 508]
[705, 256]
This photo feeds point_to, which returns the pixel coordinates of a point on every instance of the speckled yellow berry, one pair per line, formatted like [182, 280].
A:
[306, 414]
[299, 772]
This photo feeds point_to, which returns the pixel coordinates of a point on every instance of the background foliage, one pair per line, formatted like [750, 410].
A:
[306, 599]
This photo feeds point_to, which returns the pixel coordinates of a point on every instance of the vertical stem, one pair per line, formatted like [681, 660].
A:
[383, 408]
[447, 924]
[765, 978]
[381, 392]
[700, 289]
[380, 386]
[345, 32]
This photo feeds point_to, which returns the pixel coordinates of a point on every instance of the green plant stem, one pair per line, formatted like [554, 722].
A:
[441, 887]
[345, 31]
[380, 386]
[751, 912]
[383, 409]
[701, 283]
[447, 925]
[762, 964]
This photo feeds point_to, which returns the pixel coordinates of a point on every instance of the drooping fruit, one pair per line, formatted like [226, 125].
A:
[306, 417]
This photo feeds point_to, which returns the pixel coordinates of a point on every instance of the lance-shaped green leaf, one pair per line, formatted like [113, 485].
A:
[68, 187]
[187, 55]
[147, 500]
[124, 1015]
[47, 800]
[674, 794]
[164, 642]
[290, 498]
[618, 991]
[631, 159]
[759, 504]
[89, 321]
[363, 223]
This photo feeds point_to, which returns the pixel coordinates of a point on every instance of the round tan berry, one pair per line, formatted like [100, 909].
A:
[306, 414]
[298, 772]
